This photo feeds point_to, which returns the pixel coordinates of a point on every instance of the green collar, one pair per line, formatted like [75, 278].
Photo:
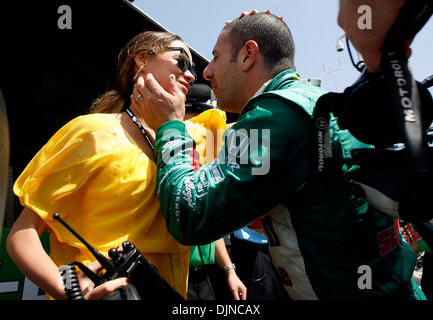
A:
[281, 79]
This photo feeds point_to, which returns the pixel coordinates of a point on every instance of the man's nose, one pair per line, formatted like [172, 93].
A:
[208, 73]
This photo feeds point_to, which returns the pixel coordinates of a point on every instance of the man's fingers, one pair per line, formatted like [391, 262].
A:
[136, 97]
[246, 13]
[140, 88]
[235, 295]
[406, 45]
[408, 52]
[152, 85]
[157, 91]
[174, 88]
[254, 11]
[243, 293]
[239, 294]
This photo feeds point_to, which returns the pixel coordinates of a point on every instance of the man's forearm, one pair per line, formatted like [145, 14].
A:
[204, 205]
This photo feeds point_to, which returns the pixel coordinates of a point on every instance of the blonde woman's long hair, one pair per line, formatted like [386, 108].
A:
[148, 42]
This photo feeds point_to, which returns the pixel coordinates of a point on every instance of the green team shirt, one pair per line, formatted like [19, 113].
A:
[265, 159]
[201, 255]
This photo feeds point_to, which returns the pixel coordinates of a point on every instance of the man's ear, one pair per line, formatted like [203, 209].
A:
[248, 55]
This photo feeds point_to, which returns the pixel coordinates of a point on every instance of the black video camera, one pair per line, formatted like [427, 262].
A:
[147, 283]
[394, 113]
[200, 98]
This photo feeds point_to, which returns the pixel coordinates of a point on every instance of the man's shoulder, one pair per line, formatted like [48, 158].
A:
[298, 97]
[299, 93]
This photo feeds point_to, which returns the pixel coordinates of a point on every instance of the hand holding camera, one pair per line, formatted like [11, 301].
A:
[128, 276]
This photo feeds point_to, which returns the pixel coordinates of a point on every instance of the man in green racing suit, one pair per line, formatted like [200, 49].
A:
[325, 238]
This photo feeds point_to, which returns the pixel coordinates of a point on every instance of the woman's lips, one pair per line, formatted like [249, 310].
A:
[185, 87]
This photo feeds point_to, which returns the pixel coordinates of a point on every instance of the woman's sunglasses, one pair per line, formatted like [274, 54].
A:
[183, 62]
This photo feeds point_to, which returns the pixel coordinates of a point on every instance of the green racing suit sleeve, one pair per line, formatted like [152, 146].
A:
[264, 156]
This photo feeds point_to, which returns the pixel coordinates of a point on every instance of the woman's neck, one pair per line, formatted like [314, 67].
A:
[143, 122]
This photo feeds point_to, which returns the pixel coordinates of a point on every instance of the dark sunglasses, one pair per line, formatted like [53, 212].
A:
[183, 62]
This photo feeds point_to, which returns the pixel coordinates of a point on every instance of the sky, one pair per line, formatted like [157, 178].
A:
[313, 24]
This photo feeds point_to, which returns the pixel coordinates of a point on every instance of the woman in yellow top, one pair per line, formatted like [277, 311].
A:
[99, 173]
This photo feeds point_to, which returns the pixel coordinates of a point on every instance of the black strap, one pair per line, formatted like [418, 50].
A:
[407, 104]
[411, 19]
[141, 128]
[401, 84]
[201, 255]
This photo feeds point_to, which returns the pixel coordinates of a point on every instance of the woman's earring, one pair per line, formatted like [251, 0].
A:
[137, 73]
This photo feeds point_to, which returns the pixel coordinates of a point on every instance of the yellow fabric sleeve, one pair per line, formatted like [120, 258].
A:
[102, 184]
[207, 130]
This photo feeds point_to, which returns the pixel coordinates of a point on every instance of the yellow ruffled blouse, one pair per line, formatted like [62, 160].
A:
[98, 179]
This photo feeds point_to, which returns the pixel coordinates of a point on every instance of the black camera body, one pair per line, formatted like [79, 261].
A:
[125, 264]
[146, 281]
[149, 284]
[393, 112]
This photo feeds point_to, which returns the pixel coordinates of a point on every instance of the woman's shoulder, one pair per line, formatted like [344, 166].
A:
[86, 125]
[95, 121]
[210, 119]
[102, 130]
